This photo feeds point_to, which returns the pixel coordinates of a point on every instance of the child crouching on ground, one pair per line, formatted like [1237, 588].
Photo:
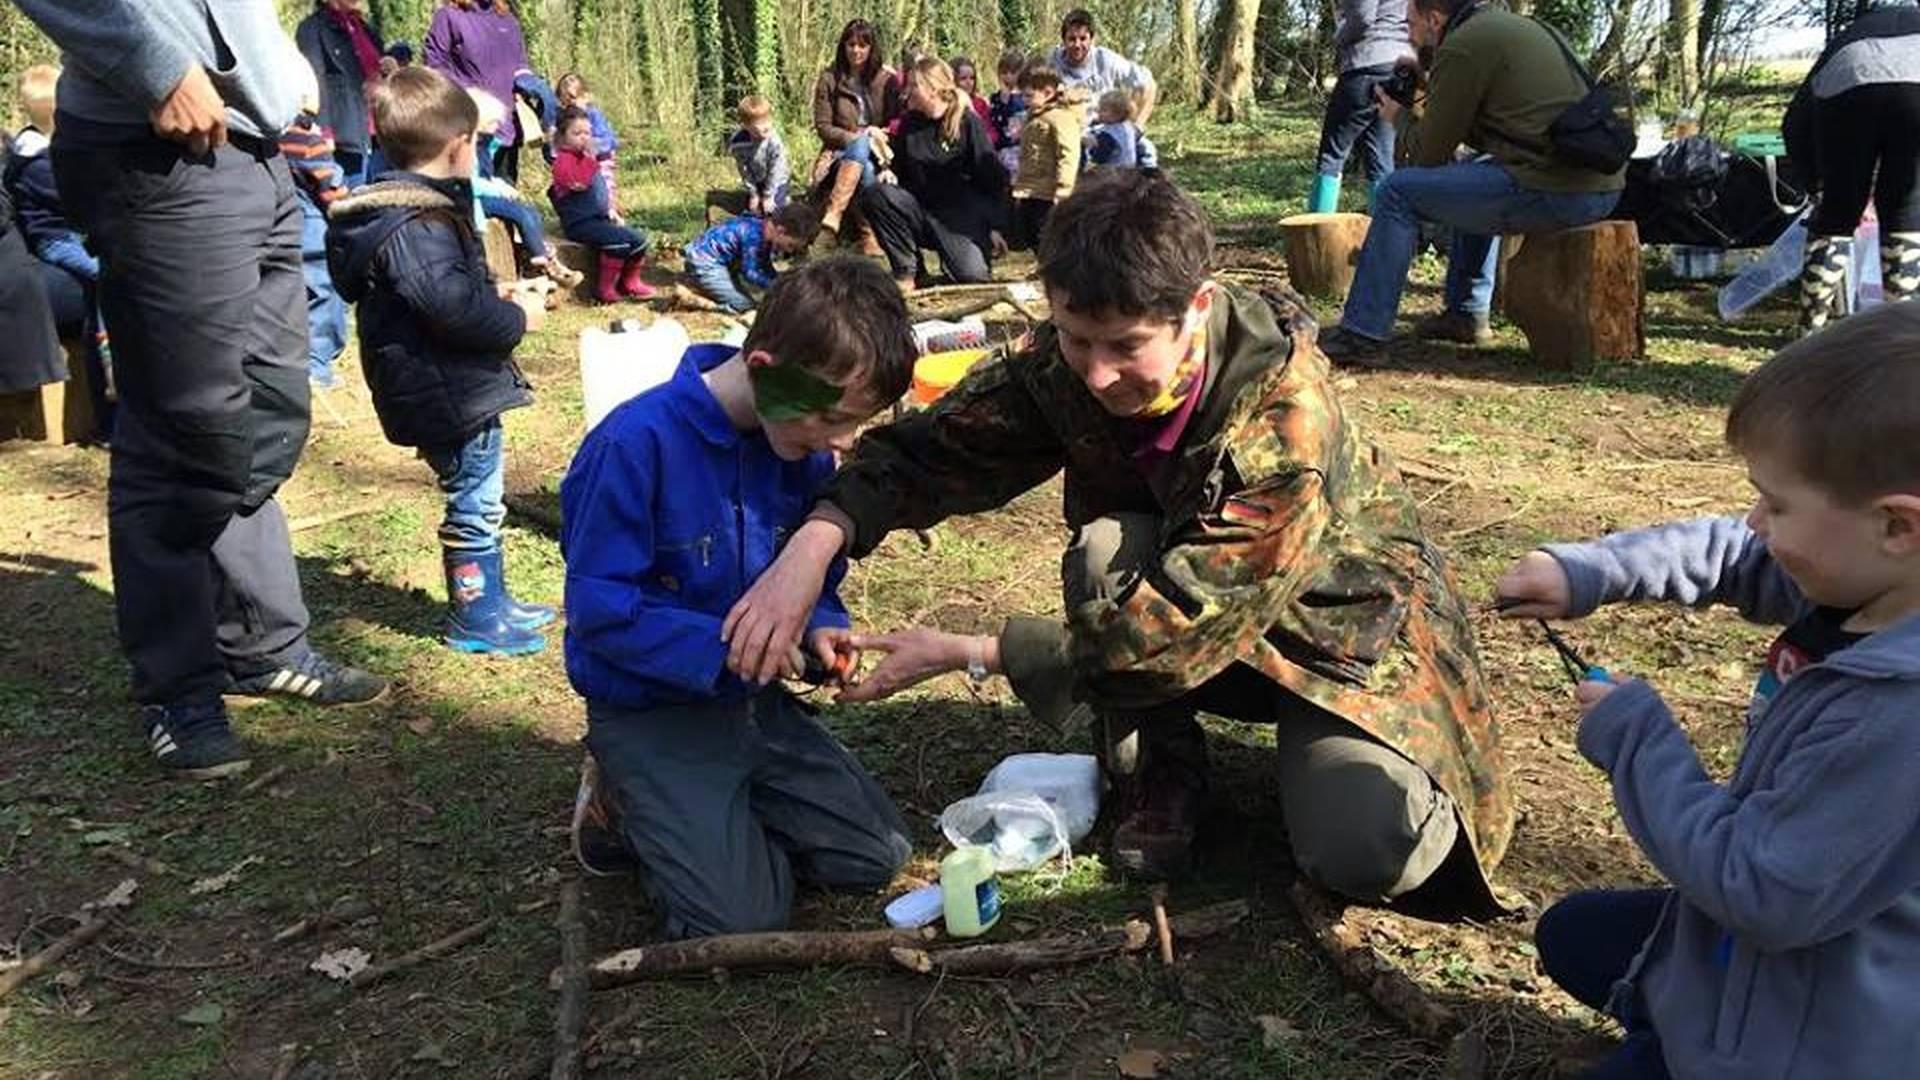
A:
[725, 791]
[761, 157]
[1115, 139]
[584, 200]
[1787, 942]
[1049, 152]
[437, 340]
[744, 247]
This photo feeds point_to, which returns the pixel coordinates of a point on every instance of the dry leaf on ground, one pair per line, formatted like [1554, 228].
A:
[1276, 1030]
[340, 964]
[1140, 1063]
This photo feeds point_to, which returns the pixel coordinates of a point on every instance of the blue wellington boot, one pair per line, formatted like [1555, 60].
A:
[477, 608]
[1325, 198]
[520, 613]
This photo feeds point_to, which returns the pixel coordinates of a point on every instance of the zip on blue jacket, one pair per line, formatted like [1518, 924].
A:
[738, 243]
[668, 514]
[1791, 944]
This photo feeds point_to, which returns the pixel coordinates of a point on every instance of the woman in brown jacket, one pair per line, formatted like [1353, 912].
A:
[853, 101]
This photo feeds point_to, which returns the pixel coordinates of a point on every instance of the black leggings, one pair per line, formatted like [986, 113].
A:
[1870, 127]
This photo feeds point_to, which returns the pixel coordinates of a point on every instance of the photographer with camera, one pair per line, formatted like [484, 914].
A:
[1551, 155]
[1373, 50]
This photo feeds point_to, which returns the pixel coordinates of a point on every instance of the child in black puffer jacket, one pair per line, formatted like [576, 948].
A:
[437, 339]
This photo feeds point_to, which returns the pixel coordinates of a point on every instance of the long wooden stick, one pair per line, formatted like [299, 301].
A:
[1369, 972]
[93, 919]
[366, 976]
[1161, 929]
[570, 1016]
[1012, 957]
[772, 950]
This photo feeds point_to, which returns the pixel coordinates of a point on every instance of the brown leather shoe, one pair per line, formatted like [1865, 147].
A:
[846, 181]
[1159, 768]
[1455, 326]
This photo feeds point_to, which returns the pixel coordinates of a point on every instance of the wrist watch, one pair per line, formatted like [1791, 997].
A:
[976, 662]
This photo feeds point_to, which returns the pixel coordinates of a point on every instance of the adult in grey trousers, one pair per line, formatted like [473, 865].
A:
[165, 155]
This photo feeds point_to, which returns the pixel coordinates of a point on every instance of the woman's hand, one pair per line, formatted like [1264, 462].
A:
[1534, 587]
[912, 657]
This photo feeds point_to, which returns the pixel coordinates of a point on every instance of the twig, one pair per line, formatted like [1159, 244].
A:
[1160, 927]
[171, 965]
[368, 976]
[314, 521]
[264, 779]
[93, 918]
[1389, 987]
[570, 1017]
[1038, 953]
[729, 951]
[1495, 523]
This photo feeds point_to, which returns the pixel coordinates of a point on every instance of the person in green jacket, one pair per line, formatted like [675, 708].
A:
[1496, 82]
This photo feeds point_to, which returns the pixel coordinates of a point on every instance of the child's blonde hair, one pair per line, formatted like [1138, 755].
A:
[753, 107]
[1117, 103]
[36, 94]
[492, 110]
[571, 89]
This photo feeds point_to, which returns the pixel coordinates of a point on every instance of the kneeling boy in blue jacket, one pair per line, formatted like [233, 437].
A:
[725, 791]
[437, 340]
[1787, 942]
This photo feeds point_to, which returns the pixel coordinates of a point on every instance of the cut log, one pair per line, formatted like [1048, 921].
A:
[1323, 250]
[1362, 965]
[1012, 957]
[1578, 295]
[502, 265]
[58, 413]
[789, 949]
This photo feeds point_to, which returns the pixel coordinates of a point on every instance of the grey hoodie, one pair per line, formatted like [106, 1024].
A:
[123, 57]
[1371, 33]
[1791, 947]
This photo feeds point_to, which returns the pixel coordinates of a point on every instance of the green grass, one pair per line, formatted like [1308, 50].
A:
[447, 803]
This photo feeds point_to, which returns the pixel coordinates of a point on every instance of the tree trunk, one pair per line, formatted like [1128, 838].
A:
[1016, 23]
[1186, 49]
[1234, 86]
[1683, 50]
[1577, 295]
[708, 49]
[1611, 53]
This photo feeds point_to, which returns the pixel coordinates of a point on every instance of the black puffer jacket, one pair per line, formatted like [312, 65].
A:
[436, 340]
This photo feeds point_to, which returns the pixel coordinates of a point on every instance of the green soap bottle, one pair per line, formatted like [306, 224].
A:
[970, 896]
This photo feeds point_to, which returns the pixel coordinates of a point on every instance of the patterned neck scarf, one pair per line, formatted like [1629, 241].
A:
[1186, 379]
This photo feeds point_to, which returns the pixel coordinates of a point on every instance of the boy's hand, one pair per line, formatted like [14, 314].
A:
[836, 653]
[1591, 693]
[1534, 587]
[763, 628]
[535, 307]
[192, 113]
[912, 657]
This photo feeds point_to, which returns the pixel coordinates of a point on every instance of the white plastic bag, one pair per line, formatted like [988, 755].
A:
[1022, 830]
[623, 361]
[1071, 782]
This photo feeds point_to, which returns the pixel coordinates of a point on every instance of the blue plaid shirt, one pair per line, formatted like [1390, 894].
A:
[740, 243]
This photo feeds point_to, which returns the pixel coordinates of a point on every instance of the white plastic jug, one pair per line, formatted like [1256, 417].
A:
[622, 360]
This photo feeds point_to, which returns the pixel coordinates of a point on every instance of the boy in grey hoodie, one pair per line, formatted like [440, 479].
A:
[1788, 942]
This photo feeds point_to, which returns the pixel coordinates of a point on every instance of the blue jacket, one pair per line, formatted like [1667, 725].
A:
[668, 514]
[36, 201]
[1122, 144]
[739, 243]
[1791, 947]
[436, 339]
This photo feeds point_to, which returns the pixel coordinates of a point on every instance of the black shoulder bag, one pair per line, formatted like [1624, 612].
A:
[1590, 134]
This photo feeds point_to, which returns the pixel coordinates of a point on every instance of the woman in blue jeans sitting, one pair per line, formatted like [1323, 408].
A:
[853, 101]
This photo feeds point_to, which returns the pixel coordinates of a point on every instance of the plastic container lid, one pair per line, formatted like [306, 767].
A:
[936, 373]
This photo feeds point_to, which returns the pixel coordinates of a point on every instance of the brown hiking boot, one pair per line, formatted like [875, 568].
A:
[1455, 326]
[846, 181]
[1159, 768]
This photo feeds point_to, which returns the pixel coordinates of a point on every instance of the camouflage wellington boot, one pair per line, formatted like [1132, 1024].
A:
[1823, 280]
[1900, 265]
[1158, 765]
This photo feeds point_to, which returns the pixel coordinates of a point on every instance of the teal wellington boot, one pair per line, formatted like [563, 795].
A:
[1325, 198]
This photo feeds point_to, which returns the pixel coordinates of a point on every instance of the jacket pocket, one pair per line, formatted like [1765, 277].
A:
[1736, 1001]
[1349, 615]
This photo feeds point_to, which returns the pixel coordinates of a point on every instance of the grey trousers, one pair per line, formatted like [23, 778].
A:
[1363, 820]
[728, 803]
[201, 282]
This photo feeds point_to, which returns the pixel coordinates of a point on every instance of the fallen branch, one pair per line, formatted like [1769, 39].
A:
[570, 1017]
[1012, 957]
[731, 951]
[368, 976]
[171, 965]
[1160, 928]
[264, 779]
[1495, 523]
[92, 918]
[315, 521]
[1361, 965]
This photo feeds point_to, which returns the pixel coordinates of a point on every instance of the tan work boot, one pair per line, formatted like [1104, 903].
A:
[846, 181]
[1158, 766]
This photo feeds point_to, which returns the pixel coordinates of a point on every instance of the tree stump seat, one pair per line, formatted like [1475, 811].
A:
[1578, 295]
[1323, 250]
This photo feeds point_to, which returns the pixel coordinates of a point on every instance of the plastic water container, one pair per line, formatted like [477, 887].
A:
[622, 360]
[970, 895]
[1030, 809]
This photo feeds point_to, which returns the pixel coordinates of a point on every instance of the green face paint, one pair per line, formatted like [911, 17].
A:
[782, 393]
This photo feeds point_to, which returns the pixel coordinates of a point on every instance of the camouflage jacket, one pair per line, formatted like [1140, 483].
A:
[1289, 544]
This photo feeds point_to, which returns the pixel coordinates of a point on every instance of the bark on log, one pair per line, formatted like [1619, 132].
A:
[1323, 250]
[731, 951]
[1013, 957]
[1577, 295]
[501, 263]
[1363, 966]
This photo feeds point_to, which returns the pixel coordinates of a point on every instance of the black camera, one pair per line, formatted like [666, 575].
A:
[1402, 84]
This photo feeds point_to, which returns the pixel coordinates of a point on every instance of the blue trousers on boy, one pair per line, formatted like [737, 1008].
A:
[1587, 941]
[326, 312]
[716, 281]
[728, 802]
[472, 475]
[1480, 200]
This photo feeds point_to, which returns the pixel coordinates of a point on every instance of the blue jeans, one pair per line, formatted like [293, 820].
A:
[1586, 942]
[536, 90]
[69, 253]
[859, 151]
[716, 280]
[525, 220]
[326, 312]
[1479, 201]
[1354, 117]
[473, 475]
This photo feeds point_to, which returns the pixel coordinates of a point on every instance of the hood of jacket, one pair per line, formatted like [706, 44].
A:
[360, 222]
